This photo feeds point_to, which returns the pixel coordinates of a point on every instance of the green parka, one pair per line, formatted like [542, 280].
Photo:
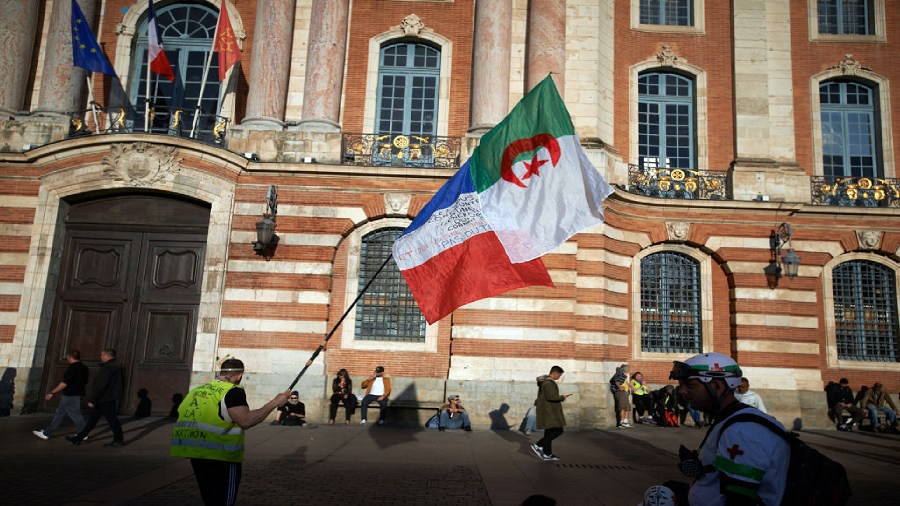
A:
[549, 404]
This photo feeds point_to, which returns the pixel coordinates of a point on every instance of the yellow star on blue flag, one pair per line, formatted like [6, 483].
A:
[87, 53]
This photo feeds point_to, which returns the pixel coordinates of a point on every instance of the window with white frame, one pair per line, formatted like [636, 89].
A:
[670, 303]
[408, 79]
[865, 311]
[187, 31]
[846, 17]
[849, 129]
[666, 137]
[666, 12]
[387, 311]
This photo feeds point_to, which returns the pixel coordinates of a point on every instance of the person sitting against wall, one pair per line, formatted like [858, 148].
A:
[342, 392]
[641, 398]
[454, 416]
[666, 407]
[876, 400]
[292, 414]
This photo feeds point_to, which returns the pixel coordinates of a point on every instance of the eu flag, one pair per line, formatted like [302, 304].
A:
[85, 50]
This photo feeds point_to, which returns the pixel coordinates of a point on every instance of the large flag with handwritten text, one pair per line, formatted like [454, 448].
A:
[527, 188]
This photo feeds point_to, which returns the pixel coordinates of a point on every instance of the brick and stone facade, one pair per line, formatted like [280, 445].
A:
[755, 64]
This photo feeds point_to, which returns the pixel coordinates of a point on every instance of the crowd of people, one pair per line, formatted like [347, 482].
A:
[847, 410]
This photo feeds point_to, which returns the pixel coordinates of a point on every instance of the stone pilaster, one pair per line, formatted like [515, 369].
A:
[765, 162]
[270, 64]
[17, 26]
[325, 65]
[546, 43]
[490, 69]
[62, 84]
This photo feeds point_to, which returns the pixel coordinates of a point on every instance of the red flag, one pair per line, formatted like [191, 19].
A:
[226, 44]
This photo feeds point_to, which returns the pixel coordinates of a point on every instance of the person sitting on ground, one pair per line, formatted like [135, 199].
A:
[666, 407]
[749, 397]
[531, 419]
[454, 416]
[875, 401]
[342, 392]
[844, 402]
[641, 398]
[292, 414]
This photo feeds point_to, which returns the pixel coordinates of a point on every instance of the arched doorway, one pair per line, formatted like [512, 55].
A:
[130, 279]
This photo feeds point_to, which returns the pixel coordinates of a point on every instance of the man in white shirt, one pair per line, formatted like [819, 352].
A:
[748, 397]
[378, 388]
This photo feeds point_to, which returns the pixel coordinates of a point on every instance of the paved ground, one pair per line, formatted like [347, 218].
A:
[392, 465]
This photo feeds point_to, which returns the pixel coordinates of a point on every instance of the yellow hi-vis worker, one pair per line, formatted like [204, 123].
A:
[210, 431]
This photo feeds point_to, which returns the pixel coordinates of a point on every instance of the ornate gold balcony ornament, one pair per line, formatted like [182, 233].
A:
[855, 191]
[400, 150]
[676, 183]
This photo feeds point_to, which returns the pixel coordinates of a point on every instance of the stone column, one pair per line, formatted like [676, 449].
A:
[62, 84]
[17, 26]
[325, 65]
[546, 43]
[489, 102]
[270, 64]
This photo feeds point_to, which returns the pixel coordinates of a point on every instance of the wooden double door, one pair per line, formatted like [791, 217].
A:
[130, 280]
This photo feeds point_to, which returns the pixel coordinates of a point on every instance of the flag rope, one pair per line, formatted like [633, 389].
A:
[338, 324]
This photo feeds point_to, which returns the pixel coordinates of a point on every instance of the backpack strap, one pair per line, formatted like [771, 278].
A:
[754, 418]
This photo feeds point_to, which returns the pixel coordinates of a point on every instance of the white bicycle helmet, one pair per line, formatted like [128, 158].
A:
[708, 366]
[659, 495]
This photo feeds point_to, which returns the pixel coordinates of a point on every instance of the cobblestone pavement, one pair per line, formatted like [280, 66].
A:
[392, 465]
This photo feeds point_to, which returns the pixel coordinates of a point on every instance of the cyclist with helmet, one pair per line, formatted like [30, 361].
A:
[744, 464]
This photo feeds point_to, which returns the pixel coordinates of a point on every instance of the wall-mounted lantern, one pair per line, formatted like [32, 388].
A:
[789, 263]
[266, 240]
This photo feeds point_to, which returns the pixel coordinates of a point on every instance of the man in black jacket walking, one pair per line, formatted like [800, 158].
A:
[103, 400]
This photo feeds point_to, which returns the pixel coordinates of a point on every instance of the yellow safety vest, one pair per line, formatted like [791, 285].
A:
[200, 432]
[639, 389]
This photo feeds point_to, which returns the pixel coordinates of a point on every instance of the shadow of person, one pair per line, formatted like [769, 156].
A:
[798, 424]
[176, 401]
[7, 391]
[397, 416]
[498, 418]
[145, 405]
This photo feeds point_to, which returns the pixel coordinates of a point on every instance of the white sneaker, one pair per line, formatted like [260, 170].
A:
[40, 434]
[551, 457]
[538, 451]
[363, 423]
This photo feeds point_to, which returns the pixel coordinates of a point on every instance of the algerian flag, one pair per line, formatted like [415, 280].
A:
[536, 185]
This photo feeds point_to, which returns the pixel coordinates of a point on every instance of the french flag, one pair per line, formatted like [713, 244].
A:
[159, 64]
[450, 256]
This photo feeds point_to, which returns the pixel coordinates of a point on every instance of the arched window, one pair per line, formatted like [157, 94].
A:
[666, 12]
[387, 311]
[666, 121]
[670, 303]
[408, 78]
[849, 134]
[846, 17]
[187, 31]
[865, 311]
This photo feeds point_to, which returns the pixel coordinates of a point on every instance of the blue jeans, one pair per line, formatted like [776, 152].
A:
[458, 421]
[873, 414]
[530, 423]
[695, 415]
[382, 405]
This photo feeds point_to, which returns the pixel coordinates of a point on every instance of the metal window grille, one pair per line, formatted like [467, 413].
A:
[670, 303]
[865, 311]
[667, 12]
[387, 311]
[845, 17]
[665, 121]
[848, 130]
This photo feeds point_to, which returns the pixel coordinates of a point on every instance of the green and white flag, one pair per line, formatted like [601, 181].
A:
[536, 185]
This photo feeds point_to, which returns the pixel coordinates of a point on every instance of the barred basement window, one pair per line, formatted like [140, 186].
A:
[670, 303]
[865, 311]
[387, 311]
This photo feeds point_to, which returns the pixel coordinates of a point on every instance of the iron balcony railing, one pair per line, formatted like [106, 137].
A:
[677, 183]
[210, 128]
[855, 191]
[396, 150]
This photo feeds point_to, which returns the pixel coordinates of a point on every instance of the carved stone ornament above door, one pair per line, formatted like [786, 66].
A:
[412, 25]
[868, 239]
[140, 164]
[677, 230]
